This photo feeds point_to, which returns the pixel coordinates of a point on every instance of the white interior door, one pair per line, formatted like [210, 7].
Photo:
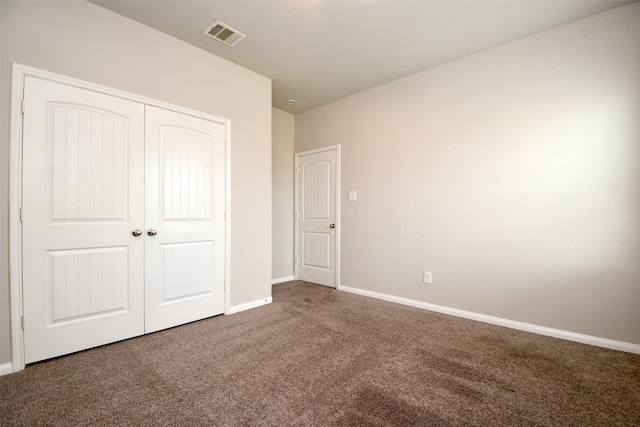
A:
[316, 216]
[83, 163]
[185, 218]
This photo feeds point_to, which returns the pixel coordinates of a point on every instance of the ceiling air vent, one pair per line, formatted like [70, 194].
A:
[224, 33]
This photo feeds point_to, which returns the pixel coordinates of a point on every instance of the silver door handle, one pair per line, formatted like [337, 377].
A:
[332, 226]
[136, 232]
[152, 232]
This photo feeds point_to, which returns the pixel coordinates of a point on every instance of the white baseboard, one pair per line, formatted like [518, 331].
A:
[250, 305]
[6, 368]
[282, 280]
[527, 327]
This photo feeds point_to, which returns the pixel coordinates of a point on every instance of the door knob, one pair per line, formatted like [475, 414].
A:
[332, 226]
[152, 232]
[136, 232]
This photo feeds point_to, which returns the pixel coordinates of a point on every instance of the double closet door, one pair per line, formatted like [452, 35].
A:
[123, 218]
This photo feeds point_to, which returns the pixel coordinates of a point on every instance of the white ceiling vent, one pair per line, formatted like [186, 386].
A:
[224, 33]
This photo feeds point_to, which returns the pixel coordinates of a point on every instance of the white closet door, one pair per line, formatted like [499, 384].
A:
[83, 194]
[185, 224]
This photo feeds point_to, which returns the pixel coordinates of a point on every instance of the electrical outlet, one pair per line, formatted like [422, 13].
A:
[427, 277]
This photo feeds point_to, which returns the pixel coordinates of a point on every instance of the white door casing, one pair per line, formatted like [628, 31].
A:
[317, 216]
[78, 171]
[185, 205]
[83, 269]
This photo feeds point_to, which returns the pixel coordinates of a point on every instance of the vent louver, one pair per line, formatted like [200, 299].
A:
[224, 33]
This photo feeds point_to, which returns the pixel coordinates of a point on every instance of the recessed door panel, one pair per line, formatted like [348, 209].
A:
[317, 250]
[88, 164]
[188, 270]
[87, 282]
[316, 180]
[186, 173]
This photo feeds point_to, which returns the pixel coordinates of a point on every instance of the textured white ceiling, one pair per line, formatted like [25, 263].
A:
[320, 51]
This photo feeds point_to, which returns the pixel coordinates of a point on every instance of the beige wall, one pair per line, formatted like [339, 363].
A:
[512, 175]
[85, 41]
[282, 183]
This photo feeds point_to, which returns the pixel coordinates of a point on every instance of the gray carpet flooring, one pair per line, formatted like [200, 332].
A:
[319, 357]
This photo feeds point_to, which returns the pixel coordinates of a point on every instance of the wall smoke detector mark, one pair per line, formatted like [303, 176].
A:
[224, 34]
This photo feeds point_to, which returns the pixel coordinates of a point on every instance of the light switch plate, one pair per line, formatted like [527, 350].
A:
[427, 278]
[353, 195]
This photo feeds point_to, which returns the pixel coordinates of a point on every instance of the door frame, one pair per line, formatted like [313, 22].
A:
[338, 149]
[19, 73]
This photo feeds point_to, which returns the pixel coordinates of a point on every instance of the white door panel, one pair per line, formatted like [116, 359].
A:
[83, 157]
[185, 197]
[317, 217]
[316, 249]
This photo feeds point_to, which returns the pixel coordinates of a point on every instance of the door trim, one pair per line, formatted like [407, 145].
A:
[338, 149]
[19, 73]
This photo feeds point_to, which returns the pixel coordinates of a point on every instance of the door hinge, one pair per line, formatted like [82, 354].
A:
[22, 322]
[225, 215]
[297, 170]
[22, 106]
[21, 216]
